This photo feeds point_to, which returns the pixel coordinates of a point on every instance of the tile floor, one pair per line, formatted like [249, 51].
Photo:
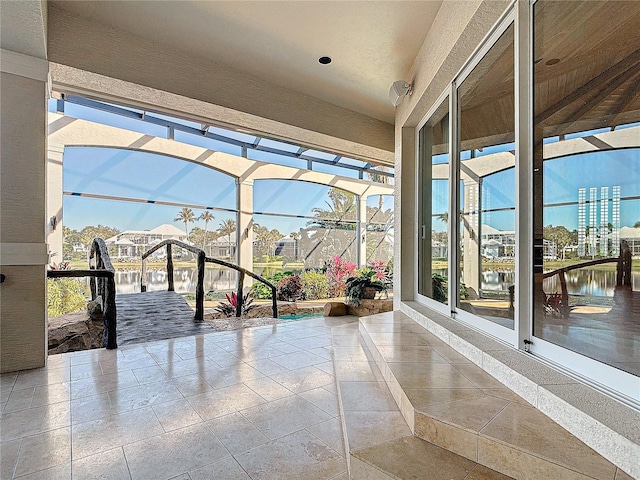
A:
[257, 403]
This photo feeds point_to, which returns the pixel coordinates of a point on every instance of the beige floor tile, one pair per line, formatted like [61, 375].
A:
[314, 342]
[450, 437]
[150, 374]
[330, 433]
[365, 429]
[86, 409]
[176, 414]
[249, 353]
[303, 379]
[282, 417]
[59, 472]
[507, 395]
[44, 451]
[423, 397]
[227, 469]
[324, 352]
[119, 363]
[7, 381]
[331, 387]
[102, 384]
[225, 359]
[287, 347]
[345, 340]
[267, 367]
[366, 396]
[350, 353]
[237, 433]
[620, 475]
[429, 375]
[35, 420]
[399, 338]
[478, 376]
[85, 370]
[518, 464]
[19, 400]
[231, 375]
[293, 457]
[48, 394]
[113, 431]
[538, 435]
[296, 360]
[328, 367]
[450, 355]
[358, 372]
[224, 401]
[42, 376]
[190, 366]
[469, 413]
[410, 353]
[323, 399]
[8, 458]
[165, 456]
[268, 389]
[109, 465]
[123, 400]
[359, 470]
[410, 457]
[480, 472]
[191, 384]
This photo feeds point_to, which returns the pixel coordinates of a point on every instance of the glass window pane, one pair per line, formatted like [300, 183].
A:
[587, 178]
[433, 255]
[145, 176]
[487, 192]
[379, 225]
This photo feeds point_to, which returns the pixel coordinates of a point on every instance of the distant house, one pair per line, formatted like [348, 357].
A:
[497, 243]
[632, 236]
[223, 247]
[133, 243]
[287, 247]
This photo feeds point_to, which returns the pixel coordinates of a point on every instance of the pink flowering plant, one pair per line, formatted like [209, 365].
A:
[338, 271]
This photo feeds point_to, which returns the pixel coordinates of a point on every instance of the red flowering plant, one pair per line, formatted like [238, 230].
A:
[229, 309]
[338, 271]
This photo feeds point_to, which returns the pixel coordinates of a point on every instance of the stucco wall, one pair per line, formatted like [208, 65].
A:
[456, 33]
[76, 42]
[22, 196]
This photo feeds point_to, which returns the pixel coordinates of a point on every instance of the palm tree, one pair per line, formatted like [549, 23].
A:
[207, 217]
[378, 178]
[227, 228]
[185, 215]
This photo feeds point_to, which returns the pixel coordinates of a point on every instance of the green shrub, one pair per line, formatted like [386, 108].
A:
[315, 285]
[65, 295]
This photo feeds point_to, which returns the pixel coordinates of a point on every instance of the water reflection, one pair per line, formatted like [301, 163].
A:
[185, 278]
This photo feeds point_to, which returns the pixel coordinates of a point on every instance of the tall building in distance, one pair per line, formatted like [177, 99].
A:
[598, 236]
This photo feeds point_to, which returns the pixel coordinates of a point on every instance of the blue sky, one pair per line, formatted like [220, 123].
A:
[155, 177]
[144, 176]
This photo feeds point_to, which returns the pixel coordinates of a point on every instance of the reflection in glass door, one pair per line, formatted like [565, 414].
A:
[587, 181]
[433, 254]
[486, 169]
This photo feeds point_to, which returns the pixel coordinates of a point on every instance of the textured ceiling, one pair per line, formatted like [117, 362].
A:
[372, 43]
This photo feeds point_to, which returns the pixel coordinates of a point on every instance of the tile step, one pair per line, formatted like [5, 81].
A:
[452, 403]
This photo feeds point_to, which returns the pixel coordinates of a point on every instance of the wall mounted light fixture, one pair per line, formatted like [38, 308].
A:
[398, 91]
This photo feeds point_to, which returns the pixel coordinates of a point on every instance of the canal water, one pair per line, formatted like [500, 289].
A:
[584, 282]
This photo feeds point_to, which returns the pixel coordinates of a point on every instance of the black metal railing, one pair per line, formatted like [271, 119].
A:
[201, 260]
[102, 284]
